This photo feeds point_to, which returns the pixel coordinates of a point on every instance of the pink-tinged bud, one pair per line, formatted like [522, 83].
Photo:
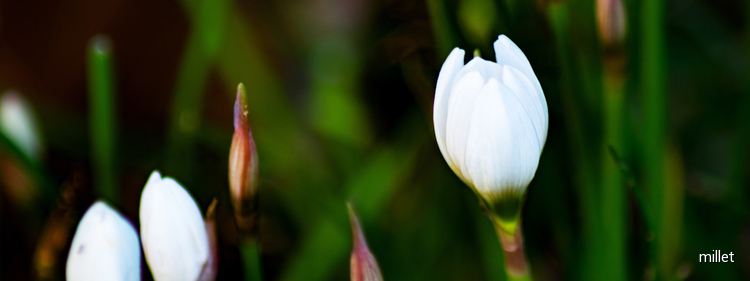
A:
[212, 266]
[610, 16]
[243, 167]
[364, 266]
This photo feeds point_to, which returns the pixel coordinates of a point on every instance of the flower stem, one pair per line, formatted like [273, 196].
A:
[613, 193]
[654, 96]
[516, 266]
[250, 251]
[102, 117]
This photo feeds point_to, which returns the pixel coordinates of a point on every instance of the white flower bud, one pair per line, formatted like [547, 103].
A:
[105, 247]
[491, 123]
[18, 123]
[173, 231]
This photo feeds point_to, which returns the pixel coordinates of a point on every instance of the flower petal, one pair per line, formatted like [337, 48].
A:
[489, 144]
[524, 91]
[147, 204]
[508, 53]
[460, 106]
[105, 246]
[173, 233]
[526, 151]
[501, 149]
[486, 69]
[452, 65]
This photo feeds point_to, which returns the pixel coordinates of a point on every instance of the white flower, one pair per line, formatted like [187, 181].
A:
[105, 247]
[18, 123]
[173, 232]
[491, 120]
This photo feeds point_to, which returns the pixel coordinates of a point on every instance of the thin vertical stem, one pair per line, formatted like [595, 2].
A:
[516, 264]
[654, 96]
[559, 14]
[613, 193]
[250, 251]
[102, 117]
[203, 46]
[654, 106]
[185, 116]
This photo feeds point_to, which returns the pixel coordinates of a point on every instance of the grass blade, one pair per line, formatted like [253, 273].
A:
[102, 117]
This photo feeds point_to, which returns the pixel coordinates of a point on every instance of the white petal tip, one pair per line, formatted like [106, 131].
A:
[504, 43]
[456, 55]
[154, 177]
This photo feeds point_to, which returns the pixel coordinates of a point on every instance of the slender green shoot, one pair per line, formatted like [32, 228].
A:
[250, 251]
[102, 126]
[654, 99]
[613, 194]
[204, 44]
[640, 195]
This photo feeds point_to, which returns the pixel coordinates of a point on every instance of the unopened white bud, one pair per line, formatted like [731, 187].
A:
[174, 236]
[18, 123]
[105, 247]
[491, 125]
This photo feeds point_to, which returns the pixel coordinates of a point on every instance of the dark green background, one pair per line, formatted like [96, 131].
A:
[340, 99]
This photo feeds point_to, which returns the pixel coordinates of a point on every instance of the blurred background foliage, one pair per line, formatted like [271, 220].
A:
[340, 97]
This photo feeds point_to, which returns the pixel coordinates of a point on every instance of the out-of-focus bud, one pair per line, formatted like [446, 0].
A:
[18, 123]
[173, 232]
[364, 266]
[105, 247]
[610, 16]
[477, 18]
[243, 167]
[212, 268]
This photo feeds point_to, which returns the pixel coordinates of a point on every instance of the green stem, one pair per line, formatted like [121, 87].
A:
[613, 186]
[186, 106]
[516, 264]
[250, 251]
[640, 197]
[654, 109]
[204, 45]
[102, 117]
[559, 14]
